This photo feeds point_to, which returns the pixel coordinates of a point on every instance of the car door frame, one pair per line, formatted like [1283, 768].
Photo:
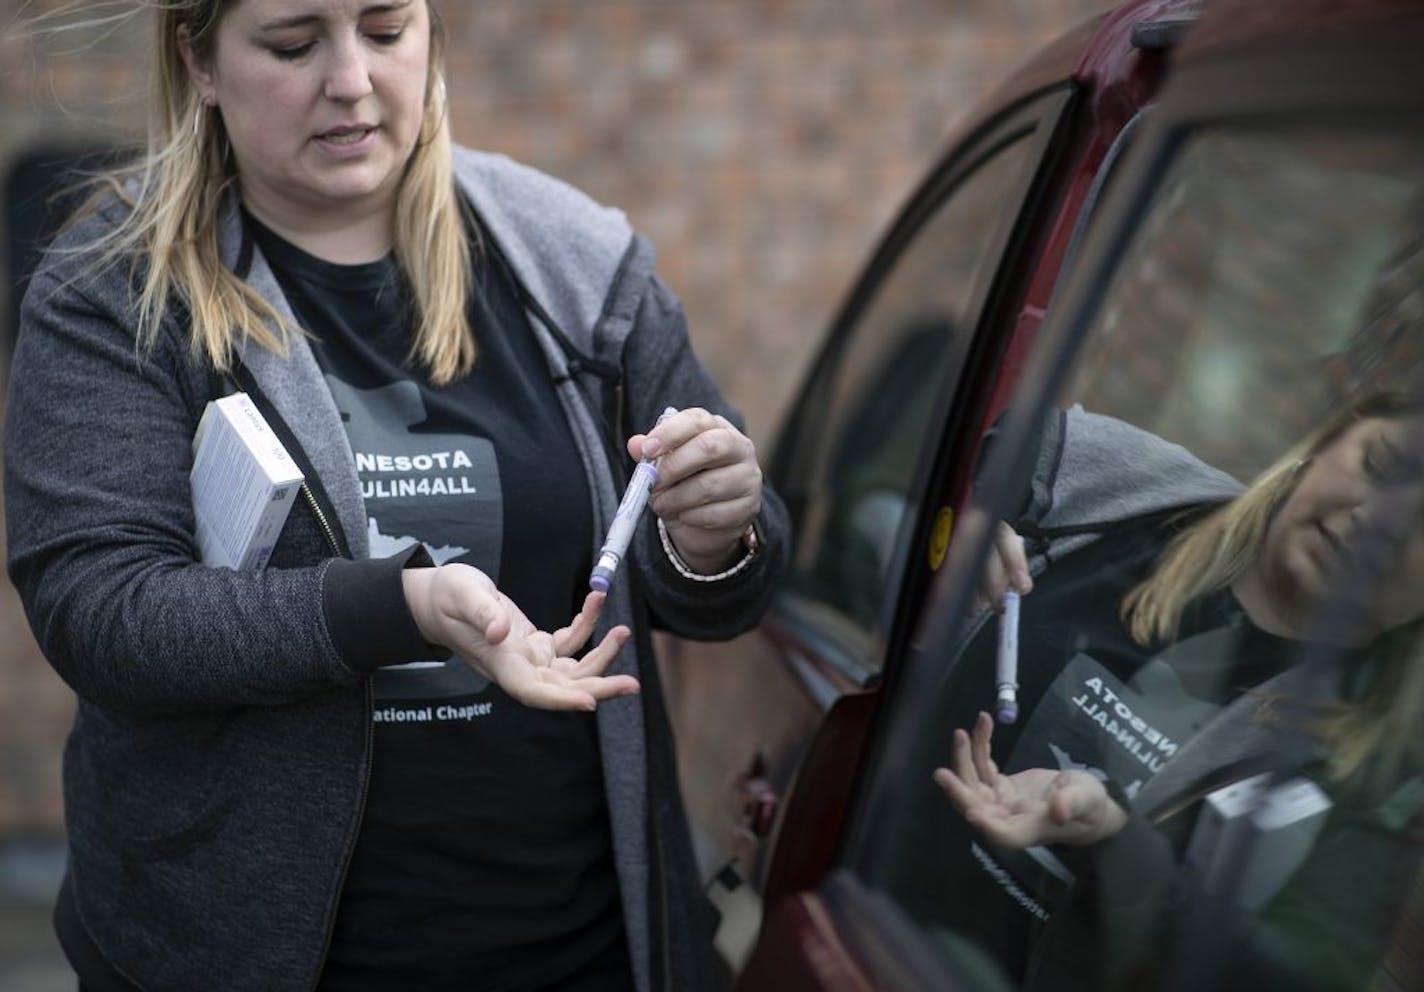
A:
[1226, 77]
[1043, 116]
[1115, 79]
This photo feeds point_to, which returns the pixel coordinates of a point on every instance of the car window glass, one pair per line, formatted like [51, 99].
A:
[876, 396]
[1225, 519]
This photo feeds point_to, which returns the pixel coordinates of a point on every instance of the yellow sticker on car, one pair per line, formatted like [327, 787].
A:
[939, 536]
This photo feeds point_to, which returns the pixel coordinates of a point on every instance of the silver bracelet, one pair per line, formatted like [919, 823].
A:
[686, 571]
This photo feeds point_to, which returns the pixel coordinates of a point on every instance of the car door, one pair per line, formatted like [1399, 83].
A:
[1256, 272]
[771, 726]
[853, 464]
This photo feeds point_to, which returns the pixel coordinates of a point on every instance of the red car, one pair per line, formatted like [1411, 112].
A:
[1215, 214]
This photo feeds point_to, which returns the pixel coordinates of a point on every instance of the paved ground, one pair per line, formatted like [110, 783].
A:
[30, 959]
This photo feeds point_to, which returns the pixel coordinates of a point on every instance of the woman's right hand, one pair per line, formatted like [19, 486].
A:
[1007, 568]
[1035, 806]
[457, 606]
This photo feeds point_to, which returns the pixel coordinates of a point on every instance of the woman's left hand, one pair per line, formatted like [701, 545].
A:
[458, 607]
[709, 485]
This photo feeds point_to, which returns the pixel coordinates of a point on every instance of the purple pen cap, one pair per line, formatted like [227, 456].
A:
[601, 579]
[1007, 712]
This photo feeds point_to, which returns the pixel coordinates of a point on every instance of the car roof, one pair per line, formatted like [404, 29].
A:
[1232, 25]
[1099, 52]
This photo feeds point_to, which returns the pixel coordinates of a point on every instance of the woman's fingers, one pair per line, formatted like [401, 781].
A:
[984, 765]
[974, 803]
[534, 676]
[538, 647]
[490, 633]
[544, 695]
[1011, 830]
[605, 687]
[497, 629]
[992, 585]
[551, 689]
[587, 673]
[1006, 569]
[567, 640]
[1065, 803]
[964, 761]
[691, 440]
[960, 792]
[717, 496]
[1010, 552]
[1001, 824]
[703, 458]
[596, 661]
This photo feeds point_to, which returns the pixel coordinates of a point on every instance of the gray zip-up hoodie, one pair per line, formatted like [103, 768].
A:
[215, 776]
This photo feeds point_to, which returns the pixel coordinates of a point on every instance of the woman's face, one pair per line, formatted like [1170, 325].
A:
[322, 102]
[1351, 528]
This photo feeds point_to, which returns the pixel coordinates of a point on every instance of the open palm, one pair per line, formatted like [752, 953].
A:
[457, 606]
[538, 668]
[1034, 806]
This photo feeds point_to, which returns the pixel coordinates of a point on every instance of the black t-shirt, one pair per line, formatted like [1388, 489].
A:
[1089, 698]
[485, 855]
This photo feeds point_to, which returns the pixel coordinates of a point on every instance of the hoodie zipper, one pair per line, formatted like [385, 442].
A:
[241, 378]
[368, 735]
[369, 704]
[321, 519]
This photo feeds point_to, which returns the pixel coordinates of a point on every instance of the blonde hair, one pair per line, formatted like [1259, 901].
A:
[1216, 550]
[175, 193]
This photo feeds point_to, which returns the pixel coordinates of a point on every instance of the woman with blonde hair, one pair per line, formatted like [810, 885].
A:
[1276, 631]
[384, 760]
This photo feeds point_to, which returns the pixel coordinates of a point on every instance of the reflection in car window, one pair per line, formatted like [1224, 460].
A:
[879, 392]
[1216, 770]
[1259, 269]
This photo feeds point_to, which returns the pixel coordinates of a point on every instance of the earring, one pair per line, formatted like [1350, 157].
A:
[198, 118]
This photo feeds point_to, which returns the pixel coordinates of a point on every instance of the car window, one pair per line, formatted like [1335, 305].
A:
[1224, 513]
[872, 406]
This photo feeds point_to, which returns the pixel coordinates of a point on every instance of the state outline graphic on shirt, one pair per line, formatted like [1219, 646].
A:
[442, 490]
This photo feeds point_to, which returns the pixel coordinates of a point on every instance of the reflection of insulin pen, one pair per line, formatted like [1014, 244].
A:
[625, 521]
[1006, 669]
[1006, 672]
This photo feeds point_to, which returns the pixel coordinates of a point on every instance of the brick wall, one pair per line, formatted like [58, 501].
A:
[761, 144]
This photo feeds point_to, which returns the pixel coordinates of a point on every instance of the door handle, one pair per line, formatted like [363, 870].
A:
[759, 800]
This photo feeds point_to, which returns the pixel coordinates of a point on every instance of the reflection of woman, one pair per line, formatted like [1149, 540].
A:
[248, 804]
[1323, 548]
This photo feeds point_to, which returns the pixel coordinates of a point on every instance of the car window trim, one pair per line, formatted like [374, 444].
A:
[1036, 118]
[1035, 112]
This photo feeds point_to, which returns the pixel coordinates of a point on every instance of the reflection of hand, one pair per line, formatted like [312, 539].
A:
[1007, 568]
[458, 607]
[1037, 806]
[709, 485]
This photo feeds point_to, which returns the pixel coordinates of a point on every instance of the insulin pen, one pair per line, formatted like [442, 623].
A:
[1006, 668]
[625, 521]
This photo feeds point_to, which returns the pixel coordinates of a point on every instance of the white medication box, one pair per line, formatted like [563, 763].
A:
[244, 483]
